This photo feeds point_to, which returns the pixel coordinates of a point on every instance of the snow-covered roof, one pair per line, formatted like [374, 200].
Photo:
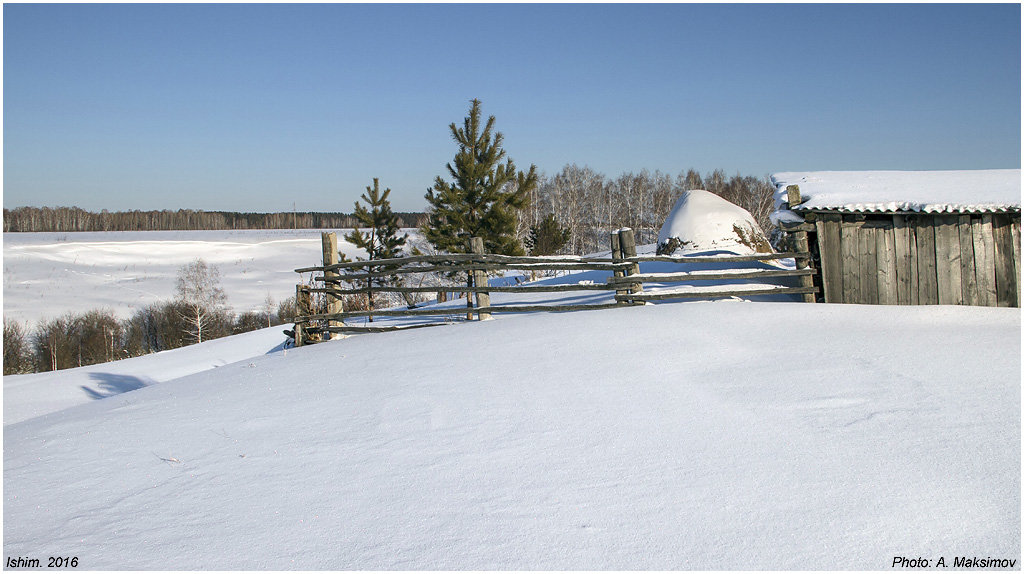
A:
[990, 190]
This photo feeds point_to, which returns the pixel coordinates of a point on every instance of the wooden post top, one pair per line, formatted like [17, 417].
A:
[793, 195]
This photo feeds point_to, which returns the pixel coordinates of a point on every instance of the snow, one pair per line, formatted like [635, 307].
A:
[691, 441]
[780, 216]
[29, 396]
[719, 435]
[925, 191]
[125, 271]
[701, 220]
[274, 254]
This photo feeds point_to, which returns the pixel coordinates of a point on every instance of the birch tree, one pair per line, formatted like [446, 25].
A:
[203, 299]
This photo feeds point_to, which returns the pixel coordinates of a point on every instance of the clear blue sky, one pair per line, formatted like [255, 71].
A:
[251, 107]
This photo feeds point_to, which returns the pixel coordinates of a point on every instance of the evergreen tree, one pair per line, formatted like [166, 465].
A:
[482, 199]
[547, 237]
[381, 240]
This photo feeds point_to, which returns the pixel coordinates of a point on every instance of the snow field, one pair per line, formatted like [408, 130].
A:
[49, 274]
[658, 437]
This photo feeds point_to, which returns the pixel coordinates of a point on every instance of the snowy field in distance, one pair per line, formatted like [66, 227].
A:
[48, 274]
[696, 440]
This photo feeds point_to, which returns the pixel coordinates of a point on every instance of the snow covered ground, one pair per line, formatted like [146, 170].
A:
[705, 435]
[29, 396]
[701, 435]
[49, 274]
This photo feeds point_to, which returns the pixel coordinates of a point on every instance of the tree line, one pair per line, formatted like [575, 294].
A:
[197, 313]
[76, 219]
[588, 205]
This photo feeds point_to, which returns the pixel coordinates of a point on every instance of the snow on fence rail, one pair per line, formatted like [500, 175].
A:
[626, 281]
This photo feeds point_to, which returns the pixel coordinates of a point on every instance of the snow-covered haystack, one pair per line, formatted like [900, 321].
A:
[703, 221]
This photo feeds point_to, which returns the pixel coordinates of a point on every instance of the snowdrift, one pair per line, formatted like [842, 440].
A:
[542, 442]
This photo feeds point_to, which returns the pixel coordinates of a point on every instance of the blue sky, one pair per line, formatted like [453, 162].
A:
[251, 107]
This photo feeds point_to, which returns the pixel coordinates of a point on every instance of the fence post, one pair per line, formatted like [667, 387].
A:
[483, 299]
[615, 241]
[803, 246]
[302, 307]
[329, 242]
[627, 242]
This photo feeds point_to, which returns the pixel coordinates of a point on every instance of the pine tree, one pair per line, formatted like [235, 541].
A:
[381, 240]
[484, 195]
[547, 237]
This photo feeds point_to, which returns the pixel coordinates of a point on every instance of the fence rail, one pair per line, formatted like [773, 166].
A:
[625, 280]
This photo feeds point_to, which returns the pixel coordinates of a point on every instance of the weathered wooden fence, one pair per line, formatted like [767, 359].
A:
[625, 280]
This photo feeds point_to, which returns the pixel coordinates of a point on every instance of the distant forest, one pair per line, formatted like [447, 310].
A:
[76, 219]
[586, 204]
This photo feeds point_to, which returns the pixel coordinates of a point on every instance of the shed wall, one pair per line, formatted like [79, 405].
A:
[920, 258]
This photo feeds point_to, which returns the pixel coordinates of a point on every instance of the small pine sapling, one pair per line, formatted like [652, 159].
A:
[381, 240]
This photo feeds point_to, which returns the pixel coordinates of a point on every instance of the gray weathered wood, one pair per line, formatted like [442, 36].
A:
[947, 260]
[1006, 279]
[795, 227]
[868, 264]
[329, 245]
[851, 263]
[627, 242]
[483, 298]
[469, 267]
[968, 276]
[458, 258]
[427, 311]
[793, 195]
[1015, 234]
[904, 262]
[714, 259]
[915, 277]
[463, 262]
[493, 289]
[458, 311]
[553, 308]
[710, 276]
[654, 296]
[379, 329]
[829, 247]
[303, 304]
[928, 290]
[804, 262]
[616, 249]
[984, 259]
[885, 253]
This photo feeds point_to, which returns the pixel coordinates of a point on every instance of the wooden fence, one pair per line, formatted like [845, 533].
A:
[625, 280]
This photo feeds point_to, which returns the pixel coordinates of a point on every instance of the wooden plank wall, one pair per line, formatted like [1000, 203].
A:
[920, 259]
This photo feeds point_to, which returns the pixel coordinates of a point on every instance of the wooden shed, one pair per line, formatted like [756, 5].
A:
[908, 238]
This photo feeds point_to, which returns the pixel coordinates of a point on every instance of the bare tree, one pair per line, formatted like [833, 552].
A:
[17, 354]
[268, 309]
[200, 293]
